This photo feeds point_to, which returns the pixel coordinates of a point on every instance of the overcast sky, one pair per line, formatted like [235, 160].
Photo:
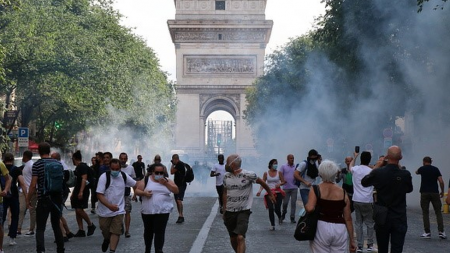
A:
[149, 18]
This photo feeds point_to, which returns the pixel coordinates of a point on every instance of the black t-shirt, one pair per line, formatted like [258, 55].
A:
[80, 170]
[139, 167]
[14, 172]
[430, 176]
[179, 174]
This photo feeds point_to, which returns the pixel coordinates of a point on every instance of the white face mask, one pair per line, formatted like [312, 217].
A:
[158, 177]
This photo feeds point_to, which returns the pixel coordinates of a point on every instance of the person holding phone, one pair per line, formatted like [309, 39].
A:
[157, 204]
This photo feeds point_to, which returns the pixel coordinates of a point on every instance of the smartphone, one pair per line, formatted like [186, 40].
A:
[356, 149]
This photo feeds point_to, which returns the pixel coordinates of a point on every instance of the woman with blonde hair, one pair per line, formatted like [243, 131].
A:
[334, 227]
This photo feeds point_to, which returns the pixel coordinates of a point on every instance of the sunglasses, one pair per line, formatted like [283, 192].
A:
[159, 172]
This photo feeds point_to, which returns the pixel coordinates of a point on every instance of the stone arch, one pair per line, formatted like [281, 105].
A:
[216, 103]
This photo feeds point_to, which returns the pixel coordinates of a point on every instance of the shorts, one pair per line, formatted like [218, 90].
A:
[237, 222]
[80, 203]
[128, 205]
[181, 191]
[111, 225]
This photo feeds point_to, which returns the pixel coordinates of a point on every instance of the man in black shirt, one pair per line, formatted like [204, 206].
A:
[392, 184]
[429, 192]
[139, 168]
[179, 171]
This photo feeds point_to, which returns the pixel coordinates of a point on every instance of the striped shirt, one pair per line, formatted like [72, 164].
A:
[38, 170]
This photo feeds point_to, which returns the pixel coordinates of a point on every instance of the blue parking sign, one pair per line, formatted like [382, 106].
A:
[24, 132]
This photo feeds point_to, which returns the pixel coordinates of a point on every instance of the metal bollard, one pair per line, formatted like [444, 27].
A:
[445, 205]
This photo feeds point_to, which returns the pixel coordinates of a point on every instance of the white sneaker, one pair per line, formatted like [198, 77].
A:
[272, 228]
[426, 235]
[12, 242]
[442, 235]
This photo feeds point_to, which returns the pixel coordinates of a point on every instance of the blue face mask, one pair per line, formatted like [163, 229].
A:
[275, 166]
[158, 177]
[115, 173]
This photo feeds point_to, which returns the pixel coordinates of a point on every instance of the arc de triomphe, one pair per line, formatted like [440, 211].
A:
[220, 49]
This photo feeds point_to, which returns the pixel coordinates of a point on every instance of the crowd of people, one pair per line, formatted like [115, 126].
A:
[108, 182]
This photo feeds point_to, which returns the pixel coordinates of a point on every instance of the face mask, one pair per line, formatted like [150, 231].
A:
[275, 166]
[158, 177]
[115, 173]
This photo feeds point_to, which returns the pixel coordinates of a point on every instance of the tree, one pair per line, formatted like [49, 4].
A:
[69, 61]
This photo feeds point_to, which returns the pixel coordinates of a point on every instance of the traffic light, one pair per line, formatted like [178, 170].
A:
[219, 139]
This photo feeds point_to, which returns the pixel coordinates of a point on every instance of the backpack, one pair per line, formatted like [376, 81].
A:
[189, 174]
[71, 179]
[124, 176]
[53, 177]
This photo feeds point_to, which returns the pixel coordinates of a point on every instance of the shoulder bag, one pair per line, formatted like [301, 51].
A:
[307, 224]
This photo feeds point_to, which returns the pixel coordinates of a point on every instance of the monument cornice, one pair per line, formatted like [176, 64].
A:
[224, 31]
[212, 89]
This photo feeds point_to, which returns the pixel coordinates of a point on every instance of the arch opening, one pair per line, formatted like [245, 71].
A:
[220, 133]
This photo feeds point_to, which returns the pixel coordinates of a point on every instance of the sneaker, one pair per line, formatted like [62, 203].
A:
[442, 235]
[70, 235]
[293, 220]
[93, 211]
[272, 228]
[371, 248]
[91, 229]
[12, 242]
[29, 233]
[127, 235]
[80, 233]
[426, 235]
[359, 250]
[180, 220]
[105, 245]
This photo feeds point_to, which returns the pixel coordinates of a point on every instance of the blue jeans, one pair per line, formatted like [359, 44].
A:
[304, 193]
[395, 230]
[45, 207]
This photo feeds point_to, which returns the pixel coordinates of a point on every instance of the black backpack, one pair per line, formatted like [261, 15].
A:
[189, 174]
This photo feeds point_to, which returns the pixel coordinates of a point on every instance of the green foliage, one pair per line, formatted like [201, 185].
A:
[354, 56]
[69, 61]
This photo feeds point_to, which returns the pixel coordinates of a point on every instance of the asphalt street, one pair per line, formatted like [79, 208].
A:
[203, 232]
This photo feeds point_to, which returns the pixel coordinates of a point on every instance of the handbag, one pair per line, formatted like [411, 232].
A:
[307, 224]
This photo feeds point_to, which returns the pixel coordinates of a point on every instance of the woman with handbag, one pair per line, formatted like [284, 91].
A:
[274, 180]
[334, 226]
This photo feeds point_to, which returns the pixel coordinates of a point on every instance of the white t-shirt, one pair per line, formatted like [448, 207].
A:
[217, 168]
[360, 193]
[114, 194]
[129, 170]
[301, 168]
[27, 174]
[161, 200]
[239, 190]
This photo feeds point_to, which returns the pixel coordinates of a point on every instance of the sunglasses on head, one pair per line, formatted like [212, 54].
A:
[159, 172]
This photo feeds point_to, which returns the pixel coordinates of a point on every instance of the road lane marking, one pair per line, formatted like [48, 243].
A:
[199, 242]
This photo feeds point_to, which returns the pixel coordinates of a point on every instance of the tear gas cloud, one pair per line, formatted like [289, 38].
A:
[424, 62]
